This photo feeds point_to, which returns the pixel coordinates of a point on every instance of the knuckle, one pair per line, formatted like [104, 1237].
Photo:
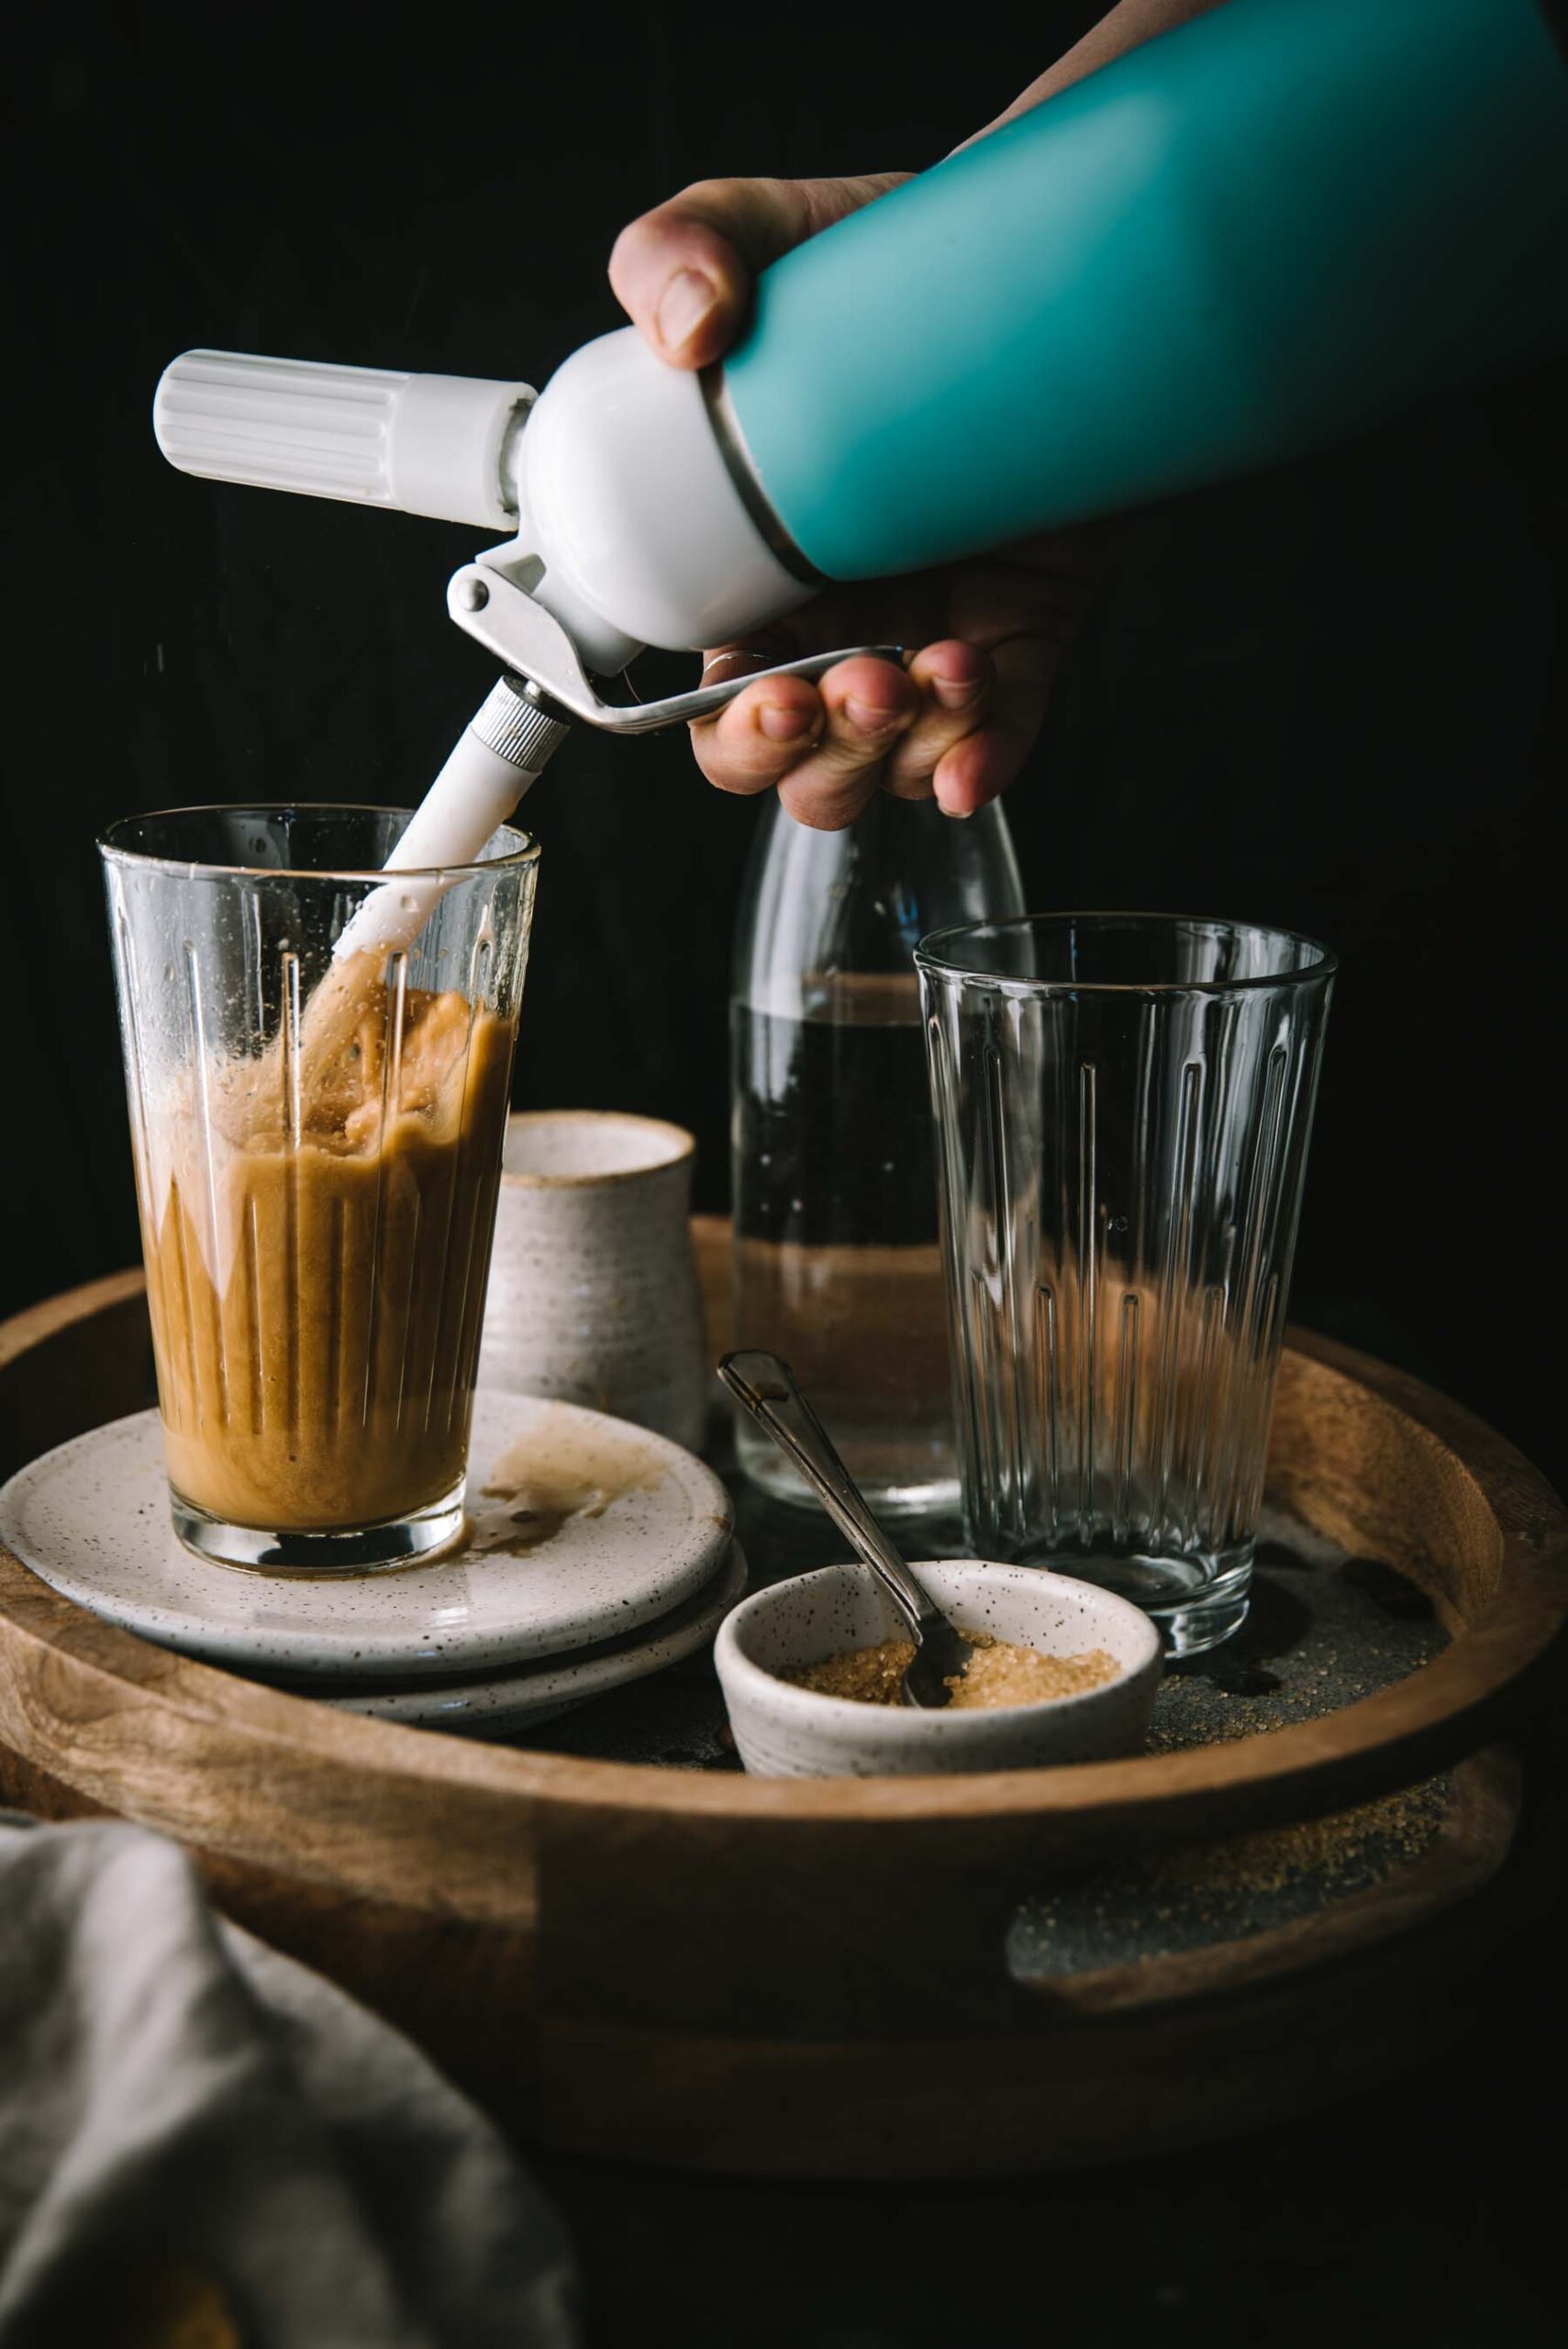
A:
[700, 195]
[709, 755]
[634, 240]
[913, 764]
[840, 757]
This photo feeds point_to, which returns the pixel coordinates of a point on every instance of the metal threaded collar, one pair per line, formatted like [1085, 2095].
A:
[517, 728]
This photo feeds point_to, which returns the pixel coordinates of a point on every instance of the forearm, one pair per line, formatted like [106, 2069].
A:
[1128, 25]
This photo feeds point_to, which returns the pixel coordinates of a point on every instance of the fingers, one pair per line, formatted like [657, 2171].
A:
[755, 738]
[868, 704]
[957, 726]
[979, 767]
[683, 272]
[955, 682]
[823, 745]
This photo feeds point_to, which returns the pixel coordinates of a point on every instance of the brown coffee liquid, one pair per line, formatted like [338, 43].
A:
[317, 1268]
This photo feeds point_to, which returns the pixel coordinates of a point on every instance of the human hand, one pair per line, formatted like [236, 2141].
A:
[988, 633]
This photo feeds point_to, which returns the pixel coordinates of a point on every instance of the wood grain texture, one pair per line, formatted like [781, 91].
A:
[663, 1961]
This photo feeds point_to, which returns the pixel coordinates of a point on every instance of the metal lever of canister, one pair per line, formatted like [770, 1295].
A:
[504, 750]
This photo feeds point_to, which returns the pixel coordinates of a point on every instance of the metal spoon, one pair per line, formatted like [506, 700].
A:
[766, 1385]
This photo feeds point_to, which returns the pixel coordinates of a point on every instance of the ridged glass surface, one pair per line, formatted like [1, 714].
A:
[1123, 1107]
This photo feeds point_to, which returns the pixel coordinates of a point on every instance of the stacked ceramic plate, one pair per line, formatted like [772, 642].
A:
[596, 1554]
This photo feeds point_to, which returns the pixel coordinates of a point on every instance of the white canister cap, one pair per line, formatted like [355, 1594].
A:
[423, 444]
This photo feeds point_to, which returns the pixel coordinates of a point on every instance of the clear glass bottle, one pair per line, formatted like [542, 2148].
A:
[837, 1260]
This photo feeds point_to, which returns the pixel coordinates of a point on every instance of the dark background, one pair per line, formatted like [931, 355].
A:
[1329, 698]
[1322, 698]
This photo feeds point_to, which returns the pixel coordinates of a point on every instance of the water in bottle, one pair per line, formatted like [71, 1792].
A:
[838, 1264]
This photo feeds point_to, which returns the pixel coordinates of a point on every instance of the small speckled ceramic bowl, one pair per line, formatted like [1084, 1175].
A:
[784, 1731]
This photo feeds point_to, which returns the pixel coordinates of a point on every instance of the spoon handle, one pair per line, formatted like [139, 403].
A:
[766, 1386]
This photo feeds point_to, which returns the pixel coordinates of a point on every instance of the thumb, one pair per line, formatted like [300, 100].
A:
[683, 272]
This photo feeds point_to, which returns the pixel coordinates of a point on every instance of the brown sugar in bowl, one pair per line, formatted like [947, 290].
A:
[784, 1731]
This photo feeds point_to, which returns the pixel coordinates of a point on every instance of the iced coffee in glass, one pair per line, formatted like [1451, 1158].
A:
[316, 1124]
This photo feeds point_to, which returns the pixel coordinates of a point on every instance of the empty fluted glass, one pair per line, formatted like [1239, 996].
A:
[318, 1147]
[1123, 1105]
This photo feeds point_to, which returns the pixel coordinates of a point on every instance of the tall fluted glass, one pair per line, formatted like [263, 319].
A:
[317, 1142]
[1123, 1104]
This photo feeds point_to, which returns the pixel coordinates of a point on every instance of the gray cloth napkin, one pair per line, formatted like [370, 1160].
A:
[203, 2144]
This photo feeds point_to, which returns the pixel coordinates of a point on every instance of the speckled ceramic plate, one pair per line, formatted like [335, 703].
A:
[581, 1529]
[502, 1704]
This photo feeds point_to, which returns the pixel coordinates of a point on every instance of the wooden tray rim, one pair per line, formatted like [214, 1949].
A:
[1446, 1708]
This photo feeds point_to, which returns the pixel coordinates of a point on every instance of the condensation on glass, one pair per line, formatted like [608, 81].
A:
[1123, 1105]
[317, 1144]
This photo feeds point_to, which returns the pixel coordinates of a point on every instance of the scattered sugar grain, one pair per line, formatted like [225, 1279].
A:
[1400, 1825]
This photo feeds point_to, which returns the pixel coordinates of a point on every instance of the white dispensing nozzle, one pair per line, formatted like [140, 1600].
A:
[423, 444]
[633, 525]
[504, 748]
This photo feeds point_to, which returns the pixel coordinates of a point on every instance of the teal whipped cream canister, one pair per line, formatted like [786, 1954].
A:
[1252, 235]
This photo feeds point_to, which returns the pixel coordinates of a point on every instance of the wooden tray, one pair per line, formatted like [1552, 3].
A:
[700, 1968]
